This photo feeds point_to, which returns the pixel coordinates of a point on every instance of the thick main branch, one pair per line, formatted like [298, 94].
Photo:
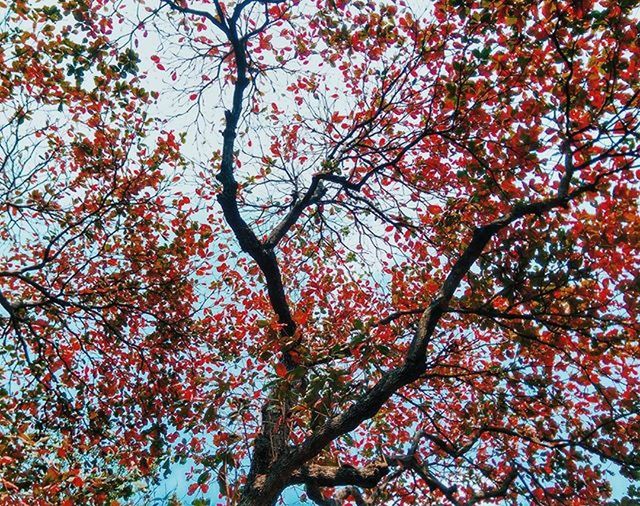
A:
[414, 364]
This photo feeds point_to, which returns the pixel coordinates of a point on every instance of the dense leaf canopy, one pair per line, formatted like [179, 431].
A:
[354, 252]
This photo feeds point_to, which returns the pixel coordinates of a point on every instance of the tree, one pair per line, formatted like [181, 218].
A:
[403, 268]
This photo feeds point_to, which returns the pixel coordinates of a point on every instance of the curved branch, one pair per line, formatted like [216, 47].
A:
[369, 403]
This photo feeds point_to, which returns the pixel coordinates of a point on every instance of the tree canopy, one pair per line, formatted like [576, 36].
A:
[358, 251]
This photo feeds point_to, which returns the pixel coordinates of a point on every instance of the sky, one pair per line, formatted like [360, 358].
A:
[172, 98]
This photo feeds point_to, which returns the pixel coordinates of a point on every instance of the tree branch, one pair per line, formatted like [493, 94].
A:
[196, 12]
[368, 404]
[334, 476]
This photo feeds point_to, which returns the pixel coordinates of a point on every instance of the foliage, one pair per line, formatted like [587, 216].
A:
[384, 251]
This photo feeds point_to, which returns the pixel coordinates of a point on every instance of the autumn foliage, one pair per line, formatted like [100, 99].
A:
[343, 251]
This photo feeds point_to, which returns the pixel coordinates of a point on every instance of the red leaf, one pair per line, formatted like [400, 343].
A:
[281, 370]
